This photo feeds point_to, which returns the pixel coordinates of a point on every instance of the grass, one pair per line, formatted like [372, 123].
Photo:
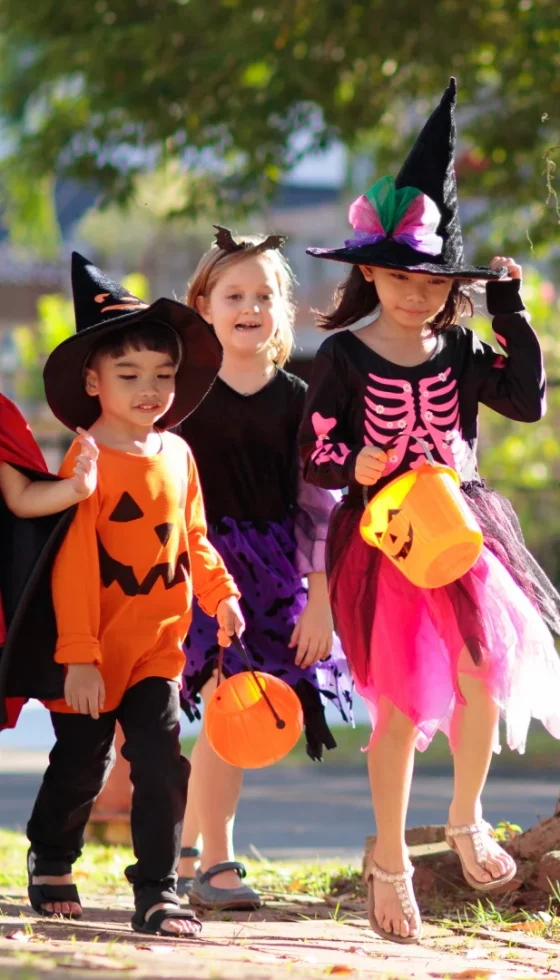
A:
[483, 914]
[308, 883]
[103, 868]
[541, 754]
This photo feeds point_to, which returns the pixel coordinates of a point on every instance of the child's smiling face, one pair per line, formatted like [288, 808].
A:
[245, 306]
[136, 387]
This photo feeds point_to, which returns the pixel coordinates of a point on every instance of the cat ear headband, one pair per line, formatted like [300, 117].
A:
[225, 240]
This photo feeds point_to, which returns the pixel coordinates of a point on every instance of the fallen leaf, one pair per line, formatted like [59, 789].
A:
[530, 926]
[337, 969]
[162, 950]
[19, 935]
[358, 951]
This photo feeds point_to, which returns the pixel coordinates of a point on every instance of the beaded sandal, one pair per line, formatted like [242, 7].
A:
[477, 832]
[402, 883]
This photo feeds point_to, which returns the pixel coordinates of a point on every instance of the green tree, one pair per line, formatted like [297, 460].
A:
[105, 90]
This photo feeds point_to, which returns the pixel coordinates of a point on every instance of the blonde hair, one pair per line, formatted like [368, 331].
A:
[216, 260]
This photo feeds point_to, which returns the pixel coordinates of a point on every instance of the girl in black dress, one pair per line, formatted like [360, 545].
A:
[270, 528]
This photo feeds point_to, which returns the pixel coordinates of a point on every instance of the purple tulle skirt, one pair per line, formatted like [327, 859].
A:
[261, 558]
[403, 642]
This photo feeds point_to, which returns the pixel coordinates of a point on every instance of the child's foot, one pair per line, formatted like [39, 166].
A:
[58, 908]
[393, 908]
[484, 862]
[225, 879]
[229, 892]
[175, 927]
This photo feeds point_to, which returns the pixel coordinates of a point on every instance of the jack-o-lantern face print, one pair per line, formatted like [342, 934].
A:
[398, 538]
[152, 548]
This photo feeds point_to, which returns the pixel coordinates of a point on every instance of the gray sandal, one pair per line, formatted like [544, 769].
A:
[184, 884]
[207, 896]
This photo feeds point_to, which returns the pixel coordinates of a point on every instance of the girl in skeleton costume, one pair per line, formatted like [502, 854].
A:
[268, 525]
[409, 382]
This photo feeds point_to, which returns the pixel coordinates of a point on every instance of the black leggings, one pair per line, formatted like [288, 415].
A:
[79, 765]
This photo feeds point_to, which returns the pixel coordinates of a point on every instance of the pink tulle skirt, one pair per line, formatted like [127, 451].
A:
[403, 643]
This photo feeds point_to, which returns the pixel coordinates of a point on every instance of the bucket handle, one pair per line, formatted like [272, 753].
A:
[424, 447]
[240, 648]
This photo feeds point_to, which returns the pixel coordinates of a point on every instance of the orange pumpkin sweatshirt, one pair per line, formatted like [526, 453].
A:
[124, 577]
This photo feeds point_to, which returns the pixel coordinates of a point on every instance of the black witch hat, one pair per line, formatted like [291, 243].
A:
[412, 223]
[103, 307]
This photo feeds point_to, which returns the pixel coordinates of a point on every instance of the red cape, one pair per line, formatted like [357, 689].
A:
[17, 447]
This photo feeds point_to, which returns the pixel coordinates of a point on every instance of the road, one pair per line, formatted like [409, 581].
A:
[312, 810]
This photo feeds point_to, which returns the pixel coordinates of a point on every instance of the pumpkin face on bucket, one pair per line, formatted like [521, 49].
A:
[423, 524]
[399, 536]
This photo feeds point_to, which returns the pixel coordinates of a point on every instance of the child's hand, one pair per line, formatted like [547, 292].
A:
[313, 633]
[501, 262]
[230, 620]
[84, 480]
[370, 465]
[84, 689]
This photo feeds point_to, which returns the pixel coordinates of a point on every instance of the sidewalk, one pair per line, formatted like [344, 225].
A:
[289, 938]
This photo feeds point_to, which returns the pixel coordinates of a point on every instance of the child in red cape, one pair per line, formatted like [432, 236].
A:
[28, 491]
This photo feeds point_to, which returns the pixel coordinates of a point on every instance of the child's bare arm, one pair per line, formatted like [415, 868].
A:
[37, 498]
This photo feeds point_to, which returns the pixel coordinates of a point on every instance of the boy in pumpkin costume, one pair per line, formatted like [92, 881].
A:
[122, 587]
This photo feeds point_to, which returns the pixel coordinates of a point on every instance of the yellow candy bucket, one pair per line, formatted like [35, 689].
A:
[423, 524]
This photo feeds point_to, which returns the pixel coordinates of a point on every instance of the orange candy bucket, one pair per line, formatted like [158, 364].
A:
[253, 719]
[423, 524]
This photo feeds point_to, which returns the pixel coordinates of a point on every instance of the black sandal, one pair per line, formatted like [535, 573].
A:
[41, 894]
[184, 884]
[153, 924]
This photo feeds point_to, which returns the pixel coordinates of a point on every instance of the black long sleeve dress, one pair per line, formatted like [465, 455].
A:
[403, 642]
[270, 527]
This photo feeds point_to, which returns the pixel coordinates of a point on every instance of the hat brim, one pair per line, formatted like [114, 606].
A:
[369, 255]
[201, 360]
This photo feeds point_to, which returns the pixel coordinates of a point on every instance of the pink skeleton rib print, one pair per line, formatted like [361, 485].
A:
[398, 412]
[357, 397]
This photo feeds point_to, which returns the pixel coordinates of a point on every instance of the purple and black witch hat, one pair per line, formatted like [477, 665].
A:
[412, 222]
[101, 307]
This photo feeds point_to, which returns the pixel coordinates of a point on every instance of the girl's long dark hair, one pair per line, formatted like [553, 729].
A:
[356, 298]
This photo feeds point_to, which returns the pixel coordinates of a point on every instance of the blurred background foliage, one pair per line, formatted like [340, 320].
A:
[231, 93]
[196, 111]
